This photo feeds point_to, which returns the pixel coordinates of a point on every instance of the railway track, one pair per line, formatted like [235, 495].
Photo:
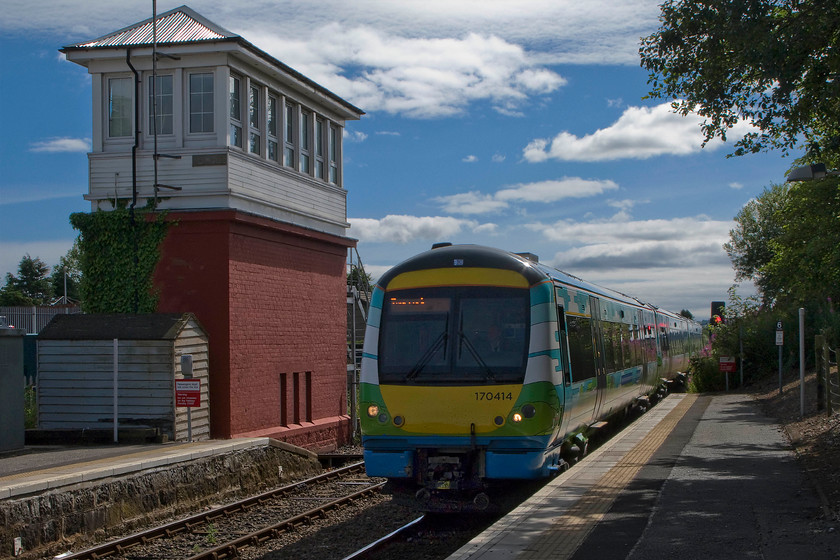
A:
[224, 531]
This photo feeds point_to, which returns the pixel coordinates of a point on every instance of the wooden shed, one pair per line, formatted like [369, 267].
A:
[93, 367]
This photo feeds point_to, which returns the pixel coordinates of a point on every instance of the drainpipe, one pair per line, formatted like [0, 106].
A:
[134, 172]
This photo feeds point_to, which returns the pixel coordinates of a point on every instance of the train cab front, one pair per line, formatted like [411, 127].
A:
[443, 404]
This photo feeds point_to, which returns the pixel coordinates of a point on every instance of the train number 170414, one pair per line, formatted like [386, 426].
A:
[491, 396]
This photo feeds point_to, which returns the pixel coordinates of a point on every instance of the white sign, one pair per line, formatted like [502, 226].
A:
[780, 338]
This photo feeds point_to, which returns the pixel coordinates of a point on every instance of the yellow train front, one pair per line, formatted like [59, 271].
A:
[460, 375]
[481, 365]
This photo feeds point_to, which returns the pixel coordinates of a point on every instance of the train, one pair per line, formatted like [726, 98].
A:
[482, 366]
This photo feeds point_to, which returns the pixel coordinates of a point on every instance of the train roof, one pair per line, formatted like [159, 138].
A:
[479, 256]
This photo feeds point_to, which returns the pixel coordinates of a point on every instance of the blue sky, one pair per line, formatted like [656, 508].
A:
[520, 125]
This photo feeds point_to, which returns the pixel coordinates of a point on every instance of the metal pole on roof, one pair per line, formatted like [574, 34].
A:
[154, 96]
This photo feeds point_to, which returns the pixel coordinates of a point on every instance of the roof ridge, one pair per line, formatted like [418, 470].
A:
[182, 24]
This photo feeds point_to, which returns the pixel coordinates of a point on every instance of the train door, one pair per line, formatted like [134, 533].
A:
[563, 392]
[598, 346]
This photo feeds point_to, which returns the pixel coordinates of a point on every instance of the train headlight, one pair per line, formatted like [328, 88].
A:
[517, 417]
[373, 411]
[398, 421]
[528, 411]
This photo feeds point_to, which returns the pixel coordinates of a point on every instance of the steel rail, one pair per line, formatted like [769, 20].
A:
[231, 549]
[120, 546]
[379, 543]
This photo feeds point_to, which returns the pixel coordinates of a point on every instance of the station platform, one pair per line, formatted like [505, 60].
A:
[41, 468]
[695, 477]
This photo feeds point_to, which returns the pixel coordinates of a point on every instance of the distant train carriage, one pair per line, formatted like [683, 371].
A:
[483, 365]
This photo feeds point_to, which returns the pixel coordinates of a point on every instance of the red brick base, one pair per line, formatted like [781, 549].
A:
[271, 297]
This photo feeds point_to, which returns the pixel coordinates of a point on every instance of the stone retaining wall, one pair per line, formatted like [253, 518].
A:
[80, 516]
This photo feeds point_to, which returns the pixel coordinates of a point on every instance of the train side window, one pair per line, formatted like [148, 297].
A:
[581, 350]
[626, 352]
[609, 351]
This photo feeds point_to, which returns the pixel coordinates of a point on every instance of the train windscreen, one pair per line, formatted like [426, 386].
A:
[454, 335]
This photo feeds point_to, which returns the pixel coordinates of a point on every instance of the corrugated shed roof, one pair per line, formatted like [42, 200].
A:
[124, 326]
[181, 25]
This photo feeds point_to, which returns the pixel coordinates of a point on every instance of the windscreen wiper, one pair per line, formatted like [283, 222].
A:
[427, 356]
[489, 375]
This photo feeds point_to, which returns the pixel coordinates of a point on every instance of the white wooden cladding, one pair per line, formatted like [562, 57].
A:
[76, 384]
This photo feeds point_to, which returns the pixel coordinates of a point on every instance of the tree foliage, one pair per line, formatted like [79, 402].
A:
[68, 273]
[787, 241]
[31, 286]
[750, 246]
[773, 63]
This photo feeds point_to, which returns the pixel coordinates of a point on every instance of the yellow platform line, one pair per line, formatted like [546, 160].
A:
[571, 529]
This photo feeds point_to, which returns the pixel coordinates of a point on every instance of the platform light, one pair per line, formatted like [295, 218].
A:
[811, 172]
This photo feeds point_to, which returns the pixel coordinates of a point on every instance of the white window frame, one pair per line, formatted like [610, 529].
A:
[305, 141]
[290, 121]
[320, 137]
[334, 135]
[255, 118]
[160, 115]
[271, 133]
[203, 114]
[109, 108]
[235, 108]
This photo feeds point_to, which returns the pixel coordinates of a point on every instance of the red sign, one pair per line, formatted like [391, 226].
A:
[188, 392]
[727, 365]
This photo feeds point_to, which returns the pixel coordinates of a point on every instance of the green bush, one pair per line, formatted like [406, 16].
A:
[705, 375]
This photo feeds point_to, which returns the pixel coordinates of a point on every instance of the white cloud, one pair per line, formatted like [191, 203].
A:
[472, 202]
[470, 159]
[420, 59]
[61, 145]
[736, 185]
[475, 202]
[623, 232]
[552, 191]
[498, 158]
[404, 229]
[354, 136]
[640, 133]
[420, 77]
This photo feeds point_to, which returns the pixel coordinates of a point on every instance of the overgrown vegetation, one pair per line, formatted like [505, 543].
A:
[118, 259]
[30, 408]
[787, 241]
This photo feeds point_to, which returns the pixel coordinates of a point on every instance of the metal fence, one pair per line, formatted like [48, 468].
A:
[33, 318]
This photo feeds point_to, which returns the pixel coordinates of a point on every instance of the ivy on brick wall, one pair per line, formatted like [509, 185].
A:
[118, 259]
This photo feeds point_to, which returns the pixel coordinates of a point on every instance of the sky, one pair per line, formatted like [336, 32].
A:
[519, 125]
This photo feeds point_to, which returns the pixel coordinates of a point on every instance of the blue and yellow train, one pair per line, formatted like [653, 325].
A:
[481, 365]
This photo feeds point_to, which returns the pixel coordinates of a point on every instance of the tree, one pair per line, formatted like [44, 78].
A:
[750, 246]
[773, 63]
[67, 273]
[687, 314]
[787, 241]
[30, 287]
[805, 264]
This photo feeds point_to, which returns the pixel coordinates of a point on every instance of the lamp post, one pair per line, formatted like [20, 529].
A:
[812, 172]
